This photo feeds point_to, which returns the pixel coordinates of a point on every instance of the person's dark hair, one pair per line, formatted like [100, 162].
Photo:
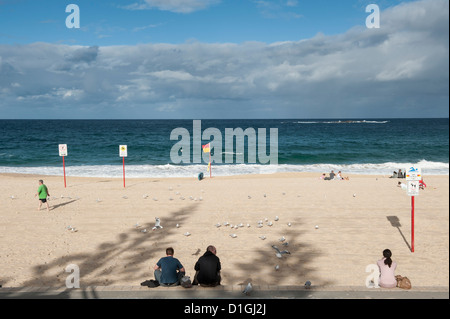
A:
[41, 181]
[387, 254]
[211, 248]
[169, 251]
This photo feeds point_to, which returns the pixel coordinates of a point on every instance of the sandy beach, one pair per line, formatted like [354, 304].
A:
[355, 219]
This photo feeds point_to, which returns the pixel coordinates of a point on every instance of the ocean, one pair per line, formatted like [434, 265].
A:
[356, 146]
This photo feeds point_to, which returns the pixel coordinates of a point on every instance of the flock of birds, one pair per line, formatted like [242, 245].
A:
[248, 289]
[278, 252]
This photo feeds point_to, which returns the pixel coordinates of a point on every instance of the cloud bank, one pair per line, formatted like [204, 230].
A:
[399, 70]
[179, 6]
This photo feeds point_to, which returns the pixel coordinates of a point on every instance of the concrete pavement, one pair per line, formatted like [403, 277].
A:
[222, 292]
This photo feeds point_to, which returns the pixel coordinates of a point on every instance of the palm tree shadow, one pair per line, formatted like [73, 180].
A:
[298, 266]
[133, 246]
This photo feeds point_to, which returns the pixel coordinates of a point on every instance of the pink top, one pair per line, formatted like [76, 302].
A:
[387, 276]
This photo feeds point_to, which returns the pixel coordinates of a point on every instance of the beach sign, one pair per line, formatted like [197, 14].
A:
[413, 178]
[62, 149]
[63, 152]
[413, 174]
[123, 151]
[412, 188]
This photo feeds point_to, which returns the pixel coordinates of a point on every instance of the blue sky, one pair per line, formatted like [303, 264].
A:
[223, 58]
[124, 22]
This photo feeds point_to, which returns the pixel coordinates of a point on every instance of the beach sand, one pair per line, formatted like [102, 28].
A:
[36, 246]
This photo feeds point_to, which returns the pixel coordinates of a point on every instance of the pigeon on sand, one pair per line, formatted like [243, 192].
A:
[279, 253]
[248, 289]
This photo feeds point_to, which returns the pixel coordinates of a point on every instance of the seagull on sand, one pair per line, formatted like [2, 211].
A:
[157, 224]
[248, 289]
[187, 234]
[233, 235]
[279, 253]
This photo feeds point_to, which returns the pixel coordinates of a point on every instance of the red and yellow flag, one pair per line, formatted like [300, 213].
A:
[206, 148]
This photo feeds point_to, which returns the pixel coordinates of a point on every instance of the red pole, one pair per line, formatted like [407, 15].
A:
[64, 169]
[412, 223]
[123, 172]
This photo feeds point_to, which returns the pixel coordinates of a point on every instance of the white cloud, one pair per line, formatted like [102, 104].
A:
[179, 6]
[360, 73]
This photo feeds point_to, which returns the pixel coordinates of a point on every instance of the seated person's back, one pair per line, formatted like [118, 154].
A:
[208, 268]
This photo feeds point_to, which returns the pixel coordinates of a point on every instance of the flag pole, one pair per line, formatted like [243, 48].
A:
[64, 170]
[210, 166]
[412, 224]
[123, 158]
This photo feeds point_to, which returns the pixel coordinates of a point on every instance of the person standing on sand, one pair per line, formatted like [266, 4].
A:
[43, 193]
[387, 270]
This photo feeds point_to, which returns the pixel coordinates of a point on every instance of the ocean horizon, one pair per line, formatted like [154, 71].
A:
[354, 146]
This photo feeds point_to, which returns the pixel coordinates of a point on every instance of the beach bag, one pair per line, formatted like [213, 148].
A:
[150, 283]
[403, 282]
[186, 282]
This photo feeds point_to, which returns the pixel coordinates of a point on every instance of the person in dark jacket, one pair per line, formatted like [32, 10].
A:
[207, 269]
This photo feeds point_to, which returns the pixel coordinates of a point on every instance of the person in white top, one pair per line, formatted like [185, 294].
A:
[387, 270]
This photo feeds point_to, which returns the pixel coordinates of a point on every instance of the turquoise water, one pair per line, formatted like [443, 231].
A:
[375, 146]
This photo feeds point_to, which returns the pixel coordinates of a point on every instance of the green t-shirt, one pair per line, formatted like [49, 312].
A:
[42, 191]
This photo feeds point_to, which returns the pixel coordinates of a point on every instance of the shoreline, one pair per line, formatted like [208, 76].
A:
[35, 247]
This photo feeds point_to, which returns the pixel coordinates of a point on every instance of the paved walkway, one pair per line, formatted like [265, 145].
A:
[222, 292]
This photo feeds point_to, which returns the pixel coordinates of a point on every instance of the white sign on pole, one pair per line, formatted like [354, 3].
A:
[412, 188]
[413, 174]
[123, 151]
[62, 149]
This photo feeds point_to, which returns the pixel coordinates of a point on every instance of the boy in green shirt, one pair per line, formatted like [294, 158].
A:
[43, 194]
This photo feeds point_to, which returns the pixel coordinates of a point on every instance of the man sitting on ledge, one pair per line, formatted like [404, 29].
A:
[169, 270]
[208, 269]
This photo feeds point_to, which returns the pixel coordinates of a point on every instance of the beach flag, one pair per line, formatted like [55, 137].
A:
[206, 148]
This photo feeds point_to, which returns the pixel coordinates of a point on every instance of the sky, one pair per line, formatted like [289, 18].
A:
[199, 59]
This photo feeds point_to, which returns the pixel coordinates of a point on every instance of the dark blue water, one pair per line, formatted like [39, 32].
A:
[357, 145]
